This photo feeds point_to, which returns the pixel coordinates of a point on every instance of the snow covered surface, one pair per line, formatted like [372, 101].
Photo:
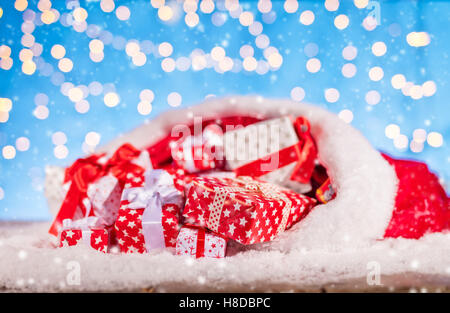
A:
[337, 242]
[29, 263]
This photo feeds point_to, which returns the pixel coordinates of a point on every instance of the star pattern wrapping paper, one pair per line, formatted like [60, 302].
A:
[99, 238]
[128, 225]
[188, 240]
[242, 209]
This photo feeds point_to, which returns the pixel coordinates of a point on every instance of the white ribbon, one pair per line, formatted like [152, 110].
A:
[158, 190]
[85, 224]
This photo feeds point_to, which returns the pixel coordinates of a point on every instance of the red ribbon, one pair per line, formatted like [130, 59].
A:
[201, 235]
[85, 171]
[304, 153]
[82, 172]
[120, 163]
[200, 251]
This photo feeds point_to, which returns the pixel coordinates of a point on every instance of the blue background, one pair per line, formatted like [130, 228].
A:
[22, 178]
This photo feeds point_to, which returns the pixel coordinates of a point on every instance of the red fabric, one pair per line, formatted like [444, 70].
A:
[421, 204]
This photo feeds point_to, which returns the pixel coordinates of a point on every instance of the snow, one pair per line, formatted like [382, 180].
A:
[338, 241]
[29, 263]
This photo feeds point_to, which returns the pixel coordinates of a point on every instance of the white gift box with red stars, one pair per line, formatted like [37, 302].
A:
[198, 243]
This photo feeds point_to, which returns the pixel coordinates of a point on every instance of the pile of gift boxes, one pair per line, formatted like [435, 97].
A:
[247, 185]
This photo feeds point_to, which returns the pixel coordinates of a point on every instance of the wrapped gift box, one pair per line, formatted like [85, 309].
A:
[244, 209]
[199, 242]
[201, 152]
[94, 185]
[148, 217]
[280, 151]
[84, 232]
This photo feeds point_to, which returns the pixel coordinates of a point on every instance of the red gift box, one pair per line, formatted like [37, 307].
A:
[149, 213]
[95, 184]
[200, 153]
[244, 209]
[86, 232]
[199, 242]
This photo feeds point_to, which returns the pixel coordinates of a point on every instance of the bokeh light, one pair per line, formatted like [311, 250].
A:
[73, 72]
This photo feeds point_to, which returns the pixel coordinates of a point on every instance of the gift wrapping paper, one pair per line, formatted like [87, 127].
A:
[260, 140]
[97, 238]
[93, 185]
[244, 209]
[129, 226]
[198, 243]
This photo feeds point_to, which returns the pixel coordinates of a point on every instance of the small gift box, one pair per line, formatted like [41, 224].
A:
[149, 212]
[199, 242]
[97, 181]
[280, 151]
[200, 153]
[84, 231]
[244, 209]
[325, 192]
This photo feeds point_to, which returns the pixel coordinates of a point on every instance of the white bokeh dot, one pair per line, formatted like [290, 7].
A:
[174, 99]
[9, 152]
[331, 95]
[297, 93]
[59, 138]
[392, 131]
[379, 48]
[349, 53]
[307, 17]
[22, 143]
[373, 97]
[41, 112]
[346, 115]
[376, 73]
[144, 107]
[147, 95]
[349, 70]
[313, 65]
[61, 151]
[92, 138]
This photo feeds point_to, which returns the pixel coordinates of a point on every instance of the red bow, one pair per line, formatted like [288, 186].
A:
[304, 153]
[120, 163]
[85, 171]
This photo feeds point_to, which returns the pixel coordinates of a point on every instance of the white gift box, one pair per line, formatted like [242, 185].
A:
[259, 140]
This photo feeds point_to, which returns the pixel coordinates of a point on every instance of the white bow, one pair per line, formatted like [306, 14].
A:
[158, 190]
